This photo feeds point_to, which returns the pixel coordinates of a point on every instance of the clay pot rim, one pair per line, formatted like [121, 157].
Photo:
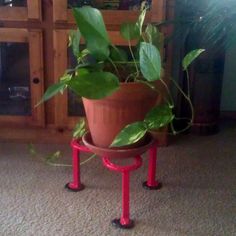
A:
[122, 152]
[109, 122]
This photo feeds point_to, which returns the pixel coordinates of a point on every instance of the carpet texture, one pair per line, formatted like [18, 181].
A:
[198, 196]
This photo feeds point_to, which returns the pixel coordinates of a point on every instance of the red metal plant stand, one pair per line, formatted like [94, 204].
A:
[152, 184]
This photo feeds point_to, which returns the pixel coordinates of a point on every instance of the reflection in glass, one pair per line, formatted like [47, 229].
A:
[13, 3]
[75, 106]
[111, 4]
[14, 79]
[79, 3]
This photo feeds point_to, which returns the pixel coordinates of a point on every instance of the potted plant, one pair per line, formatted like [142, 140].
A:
[119, 91]
[209, 25]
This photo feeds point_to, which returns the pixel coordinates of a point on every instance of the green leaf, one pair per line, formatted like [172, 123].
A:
[141, 20]
[129, 31]
[99, 49]
[130, 134]
[158, 117]
[74, 41]
[154, 36]
[52, 91]
[95, 85]
[51, 158]
[190, 57]
[65, 78]
[32, 149]
[118, 54]
[92, 27]
[80, 129]
[150, 61]
[81, 71]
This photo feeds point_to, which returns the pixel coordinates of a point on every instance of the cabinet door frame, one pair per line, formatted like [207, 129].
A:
[113, 18]
[33, 11]
[34, 39]
[60, 39]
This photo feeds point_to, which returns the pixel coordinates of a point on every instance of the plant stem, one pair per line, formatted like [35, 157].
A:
[182, 92]
[149, 85]
[89, 159]
[126, 62]
[182, 118]
[65, 165]
[114, 65]
[187, 97]
[174, 132]
[58, 164]
[133, 74]
[132, 54]
[188, 83]
[144, 39]
[168, 91]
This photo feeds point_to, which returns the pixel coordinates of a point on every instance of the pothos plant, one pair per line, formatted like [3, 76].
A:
[101, 66]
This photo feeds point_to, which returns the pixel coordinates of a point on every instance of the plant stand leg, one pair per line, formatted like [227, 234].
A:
[124, 222]
[75, 185]
[152, 183]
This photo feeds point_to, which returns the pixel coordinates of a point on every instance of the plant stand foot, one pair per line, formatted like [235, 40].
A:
[124, 222]
[155, 187]
[116, 223]
[70, 187]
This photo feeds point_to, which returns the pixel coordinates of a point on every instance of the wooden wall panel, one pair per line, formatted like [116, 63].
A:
[13, 35]
[34, 9]
[16, 14]
[60, 10]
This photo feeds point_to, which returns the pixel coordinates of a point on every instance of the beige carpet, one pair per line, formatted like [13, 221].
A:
[198, 197]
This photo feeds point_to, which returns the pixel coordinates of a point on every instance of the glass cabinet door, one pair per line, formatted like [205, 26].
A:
[15, 91]
[110, 4]
[13, 3]
[125, 10]
[68, 107]
[20, 10]
[21, 81]
[74, 102]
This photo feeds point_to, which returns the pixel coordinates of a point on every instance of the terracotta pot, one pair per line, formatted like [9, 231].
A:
[107, 117]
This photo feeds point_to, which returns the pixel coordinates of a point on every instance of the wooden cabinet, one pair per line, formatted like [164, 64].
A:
[21, 77]
[41, 27]
[112, 17]
[20, 10]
